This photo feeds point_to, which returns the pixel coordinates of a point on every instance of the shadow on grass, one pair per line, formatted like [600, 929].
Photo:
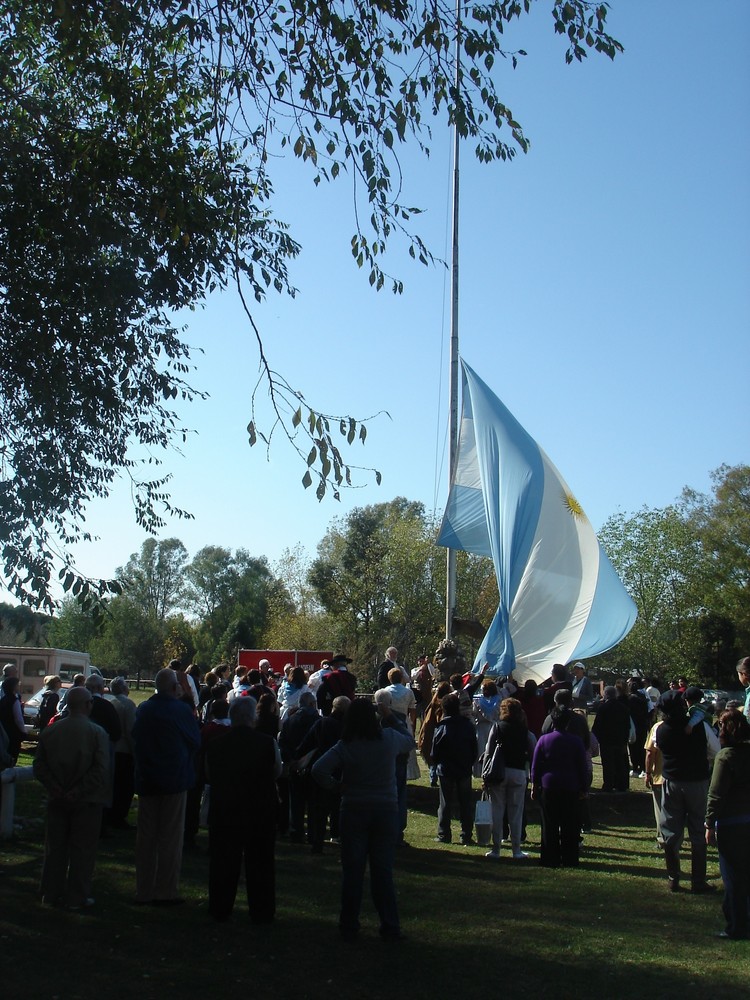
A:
[474, 928]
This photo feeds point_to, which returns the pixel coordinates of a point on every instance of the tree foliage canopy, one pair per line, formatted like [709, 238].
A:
[686, 567]
[136, 149]
[380, 578]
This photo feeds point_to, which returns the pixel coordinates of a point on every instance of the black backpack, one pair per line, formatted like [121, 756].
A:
[47, 708]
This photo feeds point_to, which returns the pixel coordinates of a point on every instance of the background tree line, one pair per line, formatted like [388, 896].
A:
[378, 578]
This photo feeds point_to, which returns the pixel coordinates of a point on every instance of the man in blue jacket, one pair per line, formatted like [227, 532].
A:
[166, 738]
[454, 750]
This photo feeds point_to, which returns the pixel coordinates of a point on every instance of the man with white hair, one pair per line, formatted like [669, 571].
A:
[9, 670]
[583, 691]
[72, 762]
[103, 712]
[165, 738]
[390, 661]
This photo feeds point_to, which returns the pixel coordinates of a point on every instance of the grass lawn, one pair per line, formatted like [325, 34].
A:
[473, 928]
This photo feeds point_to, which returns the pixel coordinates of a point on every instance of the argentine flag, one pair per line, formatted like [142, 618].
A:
[560, 597]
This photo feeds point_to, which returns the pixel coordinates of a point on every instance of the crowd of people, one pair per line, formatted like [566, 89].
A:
[253, 756]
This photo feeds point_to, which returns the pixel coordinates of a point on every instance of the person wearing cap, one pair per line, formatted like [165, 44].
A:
[696, 712]
[339, 682]
[583, 692]
[72, 762]
[652, 692]
[684, 791]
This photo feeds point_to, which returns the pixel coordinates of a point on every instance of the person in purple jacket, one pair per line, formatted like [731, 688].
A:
[559, 781]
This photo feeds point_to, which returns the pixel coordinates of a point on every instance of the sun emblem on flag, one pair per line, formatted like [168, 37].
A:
[573, 506]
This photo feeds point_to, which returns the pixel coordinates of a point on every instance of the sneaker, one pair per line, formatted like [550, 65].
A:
[519, 855]
[494, 854]
[442, 840]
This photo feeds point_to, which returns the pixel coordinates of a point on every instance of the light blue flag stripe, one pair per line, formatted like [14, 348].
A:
[560, 597]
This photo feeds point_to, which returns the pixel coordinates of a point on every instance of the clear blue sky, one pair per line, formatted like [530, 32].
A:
[604, 297]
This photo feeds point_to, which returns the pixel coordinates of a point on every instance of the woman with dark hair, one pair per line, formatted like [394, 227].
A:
[728, 820]
[532, 700]
[296, 687]
[365, 758]
[267, 717]
[486, 714]
[511, 735]
[559, 779]
[558, 680]
[206, 691]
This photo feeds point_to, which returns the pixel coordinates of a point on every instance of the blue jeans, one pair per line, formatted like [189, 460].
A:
[368, 833]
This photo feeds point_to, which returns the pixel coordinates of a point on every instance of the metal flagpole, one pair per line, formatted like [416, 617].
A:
[450, 596]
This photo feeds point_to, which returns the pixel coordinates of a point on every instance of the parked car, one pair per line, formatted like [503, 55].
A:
[715, 696]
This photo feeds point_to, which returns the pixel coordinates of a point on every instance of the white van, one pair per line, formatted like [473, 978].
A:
[34, 665]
